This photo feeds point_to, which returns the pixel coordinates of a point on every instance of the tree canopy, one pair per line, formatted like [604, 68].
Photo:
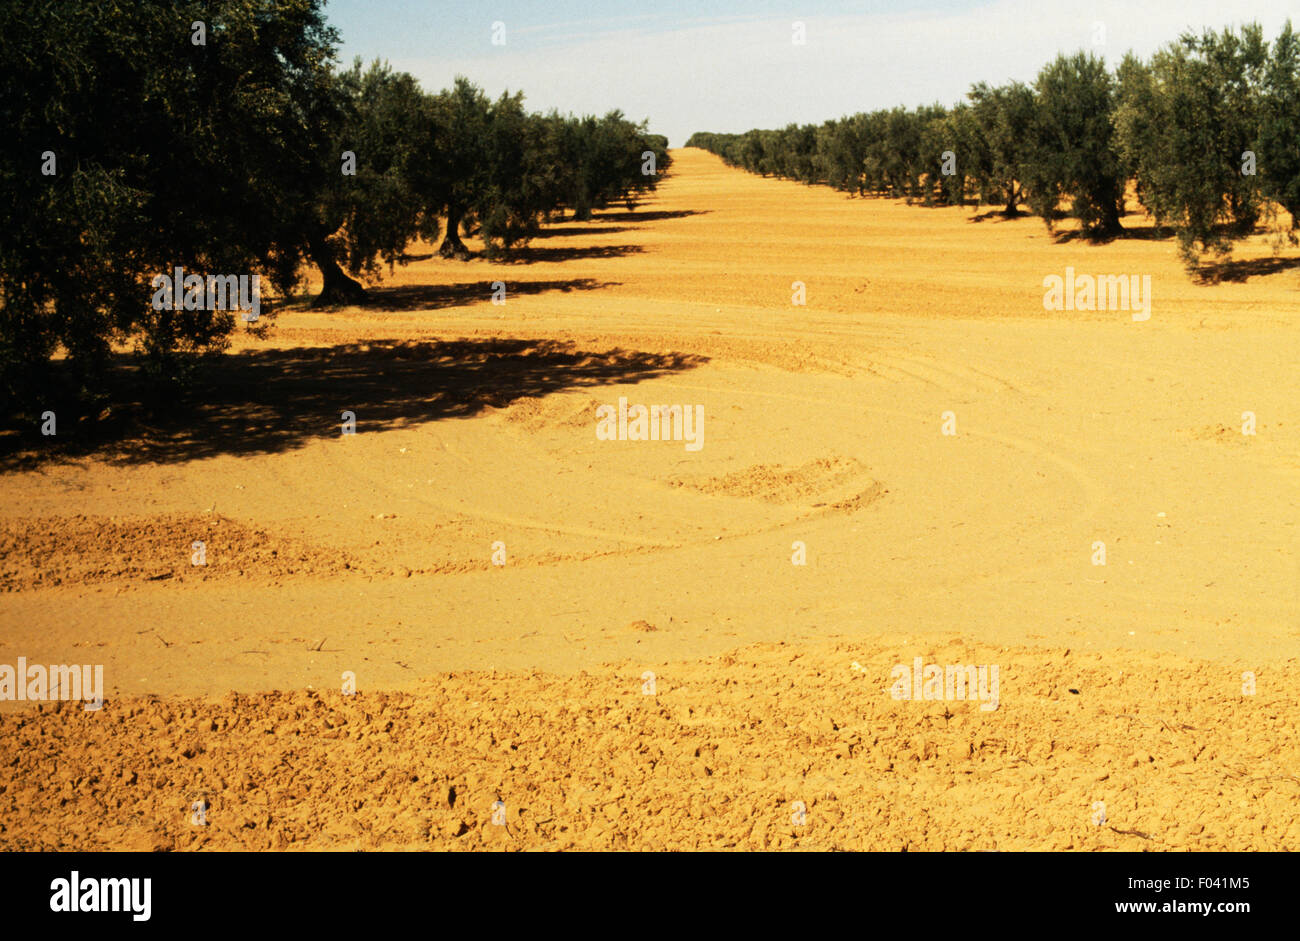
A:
[1205, 132]
[223, 139]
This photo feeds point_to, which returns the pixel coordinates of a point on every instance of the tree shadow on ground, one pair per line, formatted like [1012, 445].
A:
[464, 293]
[270, 401]
[644, 215]
[1240, 271]
[1140, 233]
[999, 215]
[528, 254]
[550, 232]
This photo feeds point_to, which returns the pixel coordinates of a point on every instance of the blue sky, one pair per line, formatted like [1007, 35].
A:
[730, 66]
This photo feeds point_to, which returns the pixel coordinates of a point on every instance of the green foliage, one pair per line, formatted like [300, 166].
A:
[167, 153]
[895, 152]
[1185, 125]
[506, 170]
[384, 121]
[1071, 151]
[601, 160]
[1178, 127]
[997, 141]
[227, 157]
[1278, 148]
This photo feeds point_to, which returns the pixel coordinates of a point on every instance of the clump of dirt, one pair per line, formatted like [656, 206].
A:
[1224, 434]
[773, 746]
[775, 483]
[43, 552]
[554, 411]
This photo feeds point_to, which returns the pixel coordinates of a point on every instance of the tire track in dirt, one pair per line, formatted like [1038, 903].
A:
[1093, 493]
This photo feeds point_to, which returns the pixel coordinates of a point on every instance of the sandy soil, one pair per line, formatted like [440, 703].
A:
[770, 722]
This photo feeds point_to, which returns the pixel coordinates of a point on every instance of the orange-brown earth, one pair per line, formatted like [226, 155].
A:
[523, 683]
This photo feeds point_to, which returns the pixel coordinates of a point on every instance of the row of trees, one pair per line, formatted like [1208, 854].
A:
[221, 137]
[1207, 130]
[479, 166]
